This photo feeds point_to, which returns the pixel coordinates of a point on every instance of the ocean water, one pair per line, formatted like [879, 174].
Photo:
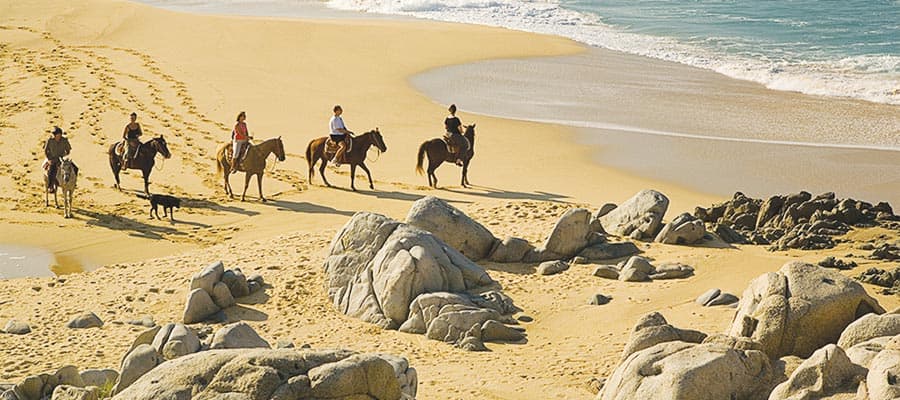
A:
[848, 48]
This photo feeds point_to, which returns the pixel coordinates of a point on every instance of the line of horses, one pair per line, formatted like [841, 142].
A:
[255, 162]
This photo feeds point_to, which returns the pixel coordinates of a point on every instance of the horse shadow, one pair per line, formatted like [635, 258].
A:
[494, 193]
[287, 205]
[119, 223]
[213, 206]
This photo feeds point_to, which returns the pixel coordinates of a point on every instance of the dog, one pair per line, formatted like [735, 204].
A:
[167, 202]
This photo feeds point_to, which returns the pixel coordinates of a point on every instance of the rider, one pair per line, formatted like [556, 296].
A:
[240, 137]
[55, 149]
[338, 134]
[453, 136]
[132, 140]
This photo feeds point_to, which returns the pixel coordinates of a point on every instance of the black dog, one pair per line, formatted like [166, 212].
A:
[167, 203]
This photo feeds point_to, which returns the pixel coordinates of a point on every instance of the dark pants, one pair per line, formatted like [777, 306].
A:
[52, 169]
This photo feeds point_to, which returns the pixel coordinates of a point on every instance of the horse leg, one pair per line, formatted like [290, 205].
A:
[322, 172]
[247, 177]
[146, 172]
[465, 169]
[432, 166]
[227, 171]
[352, 176]
[365, 168]
[259, 183]
[116, 168]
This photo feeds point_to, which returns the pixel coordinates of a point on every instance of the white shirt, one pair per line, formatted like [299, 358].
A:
[336, 123]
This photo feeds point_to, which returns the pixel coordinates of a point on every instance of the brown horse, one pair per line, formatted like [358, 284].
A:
[254, 163]
[144, 159]
[356, 156]
[437, 152]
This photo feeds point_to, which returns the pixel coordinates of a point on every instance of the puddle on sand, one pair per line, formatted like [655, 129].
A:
[23, 261]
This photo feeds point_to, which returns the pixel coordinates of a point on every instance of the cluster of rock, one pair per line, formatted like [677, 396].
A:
[886, 252]
[716, 297]
[639, 269]
[397, 276]
[800, 311]
[796, 221]
[67, 383]
[889, 279]
[831, 262]
[214, 288]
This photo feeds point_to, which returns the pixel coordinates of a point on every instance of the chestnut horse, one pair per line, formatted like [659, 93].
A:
[143, 159]
[254, 163]
[356, 156]
[437, 152]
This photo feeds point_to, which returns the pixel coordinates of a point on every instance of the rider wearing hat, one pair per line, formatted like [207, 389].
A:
[55, 149]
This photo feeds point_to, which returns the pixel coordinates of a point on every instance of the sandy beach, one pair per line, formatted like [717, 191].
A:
[84, 65]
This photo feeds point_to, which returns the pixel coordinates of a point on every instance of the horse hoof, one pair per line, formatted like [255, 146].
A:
[264, 200]
[372, 187]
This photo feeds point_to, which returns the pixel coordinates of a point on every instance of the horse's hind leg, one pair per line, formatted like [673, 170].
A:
[365, 168]
[259, 183]
[247, 177]
[465, 174]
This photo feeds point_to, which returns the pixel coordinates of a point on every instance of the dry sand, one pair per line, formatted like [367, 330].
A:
[84, 65]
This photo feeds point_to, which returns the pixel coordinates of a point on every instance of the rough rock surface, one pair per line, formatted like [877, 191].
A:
[552, 267]
[452, 226]
[569, 236]
[84, 321]
[199, 306]
[138, 362]
[799, 309]
[653, 329]
[862, 353]
[882, 381]
[376, 267]
[684, 229]
[827, 371]
[16, 327]
[870, 326]
[456, 319]
[262, 374]
[609, 251]
[238, 335]
[66, 392]
[890, 279]
[176, 340]
[99, 377]
[638, 217]
[511, 249]
[715, 297]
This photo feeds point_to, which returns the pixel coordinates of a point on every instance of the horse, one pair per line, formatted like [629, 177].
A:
[254, 163]
[437, 152]
[144, 159]
[66, 178]
[356, 156]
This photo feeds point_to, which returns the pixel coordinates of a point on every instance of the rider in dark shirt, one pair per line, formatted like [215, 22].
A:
[132, 136]
[453, 137]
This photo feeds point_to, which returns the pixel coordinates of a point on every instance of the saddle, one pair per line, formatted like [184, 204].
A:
[457, 145]
[121, 148]
[229, 152]
[331, 147]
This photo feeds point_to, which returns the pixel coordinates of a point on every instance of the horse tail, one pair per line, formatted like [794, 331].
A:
[309, 158]
[420, 159]
[220, 157]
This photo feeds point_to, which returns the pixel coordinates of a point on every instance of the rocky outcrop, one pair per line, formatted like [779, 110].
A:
[653, 329]
[799, 309]
[569, 236]
[452, 226]
[639, 269]
[826, 372]
[42, 386]
[881, 382]
[510, 250]
[862, 353]
[66, 392]
[137, 362]
[868, 327]
[688, 371]
[889, 279]
[262, 374]
[684, 229]
[213, 289]
[458, 320]
[639, 217]
[797, 221]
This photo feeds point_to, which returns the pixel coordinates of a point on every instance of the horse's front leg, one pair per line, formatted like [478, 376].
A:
[352, 177]
[146, 181]
[246, 183]
[322, 172]
[227, 171]
[465, 172]
[55, 199]
[365, 168]
[46, 194]
[259, 183]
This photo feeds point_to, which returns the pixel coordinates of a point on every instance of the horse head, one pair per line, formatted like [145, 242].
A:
[160, 145]
[470, 130]
[67, 169]
[378, 140]
[279, 149]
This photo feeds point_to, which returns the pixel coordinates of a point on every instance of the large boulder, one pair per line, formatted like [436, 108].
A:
[238, 335]
[458, 320]
[511, 249]
[689, 371]
[862, 353]
[99, 377]
[138, 362]
[653, 329]
[684, 229]
[882, 381]
[638, 217]
[799, 309]
[199, 306]
[826, 372]
[569, 236]
[66, 392]
[262, 374]
[452, 226]
[176, 340]
[208, 277]
[377, 266]
[870, 326]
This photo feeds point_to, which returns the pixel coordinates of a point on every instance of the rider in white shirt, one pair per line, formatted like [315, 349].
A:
[338, 133]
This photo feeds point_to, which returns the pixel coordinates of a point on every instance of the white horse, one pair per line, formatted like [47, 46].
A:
[66, 178]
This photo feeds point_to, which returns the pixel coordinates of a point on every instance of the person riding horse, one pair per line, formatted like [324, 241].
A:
[339, 135]
[55, 149]
[132, 139]
[240, 137]
[456, 142]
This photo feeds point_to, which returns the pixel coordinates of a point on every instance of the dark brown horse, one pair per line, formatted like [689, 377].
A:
[437, 152]
[144, 159]
[356, 156]
[254, 163]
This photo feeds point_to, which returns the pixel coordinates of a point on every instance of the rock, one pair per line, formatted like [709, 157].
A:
[638, 217]
[831, 262]
[870, 326]
[684, 229]
[254, 286]
[176, 340]
[880, 277]
[496, 300]
[138, 362]
[221, 295]
[639, 263]
[552, 267]
[66, 392]
[687, 371]
[495, 331]
[15, 327]
[146, 321]
[826, 372]
[599, 299]
[723, 299]
[633, 275]
[237, 283]
[68, 375]
[452, 227]
[428, 306]
[579, 260]
[608, 251]
[672, 270]
[145, 337]
[99, 377]
[84, 321]
[257, 374]
[208, 277]
[455, 325]
[863, 353]
[34, 387]
[729, 235]
[199, 306]
[511, 249]
[653, 329]
[376, 267]
[799, 309]
[606, 271]
[886, 252]
[284, 344]
[881, 381]
[769, 210]
[570, 234]
[708, 296]
[733, 342]
[256, 278]
[238, 335]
